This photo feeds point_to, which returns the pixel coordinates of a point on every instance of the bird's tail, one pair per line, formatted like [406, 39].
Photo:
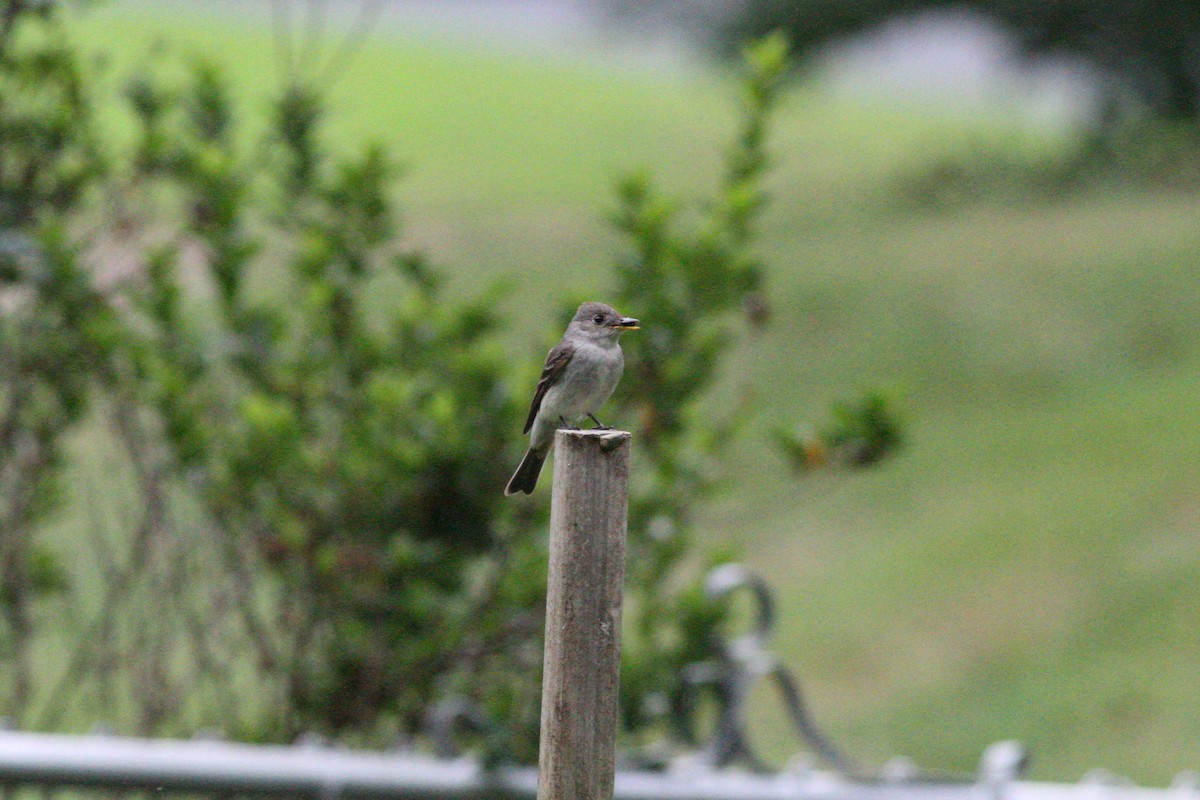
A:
[526, 476]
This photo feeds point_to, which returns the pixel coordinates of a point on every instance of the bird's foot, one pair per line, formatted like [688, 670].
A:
[600, 426]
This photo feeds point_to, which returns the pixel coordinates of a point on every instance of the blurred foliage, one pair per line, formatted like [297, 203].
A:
[349, 446]
[52, 330]
[1149, 153]
[1143, 55]
[861, 432]
[278, 365]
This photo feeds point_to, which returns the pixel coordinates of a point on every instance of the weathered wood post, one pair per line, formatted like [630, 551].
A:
[583, 615]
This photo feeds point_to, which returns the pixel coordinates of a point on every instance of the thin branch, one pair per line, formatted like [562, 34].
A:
[314, 28]
[352, 42]
[282, 36]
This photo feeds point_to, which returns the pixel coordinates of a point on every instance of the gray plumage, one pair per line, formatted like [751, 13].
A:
[580, 374]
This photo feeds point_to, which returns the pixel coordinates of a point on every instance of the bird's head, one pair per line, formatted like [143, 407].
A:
[602, 321]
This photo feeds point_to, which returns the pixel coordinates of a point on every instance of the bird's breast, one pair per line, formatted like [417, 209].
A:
[587, 382]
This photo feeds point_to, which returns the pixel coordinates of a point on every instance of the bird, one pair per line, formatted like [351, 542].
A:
[579, 375]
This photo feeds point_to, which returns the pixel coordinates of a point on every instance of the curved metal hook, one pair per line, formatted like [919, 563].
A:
[727, 578]
[739, 664]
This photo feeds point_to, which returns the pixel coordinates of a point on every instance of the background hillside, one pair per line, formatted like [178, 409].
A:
[1027, 567]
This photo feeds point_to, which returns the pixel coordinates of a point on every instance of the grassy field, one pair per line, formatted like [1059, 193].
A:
[1029, 567]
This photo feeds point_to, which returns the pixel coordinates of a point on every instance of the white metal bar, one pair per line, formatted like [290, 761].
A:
[114, 762]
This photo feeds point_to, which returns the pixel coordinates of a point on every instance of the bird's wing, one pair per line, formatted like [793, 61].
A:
[556, 362]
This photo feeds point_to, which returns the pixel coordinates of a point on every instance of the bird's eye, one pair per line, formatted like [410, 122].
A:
[598, 319]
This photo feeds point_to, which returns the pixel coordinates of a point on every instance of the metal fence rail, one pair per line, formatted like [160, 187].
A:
[223, 768]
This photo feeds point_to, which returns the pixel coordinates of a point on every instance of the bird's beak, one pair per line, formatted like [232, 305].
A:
[627, 324]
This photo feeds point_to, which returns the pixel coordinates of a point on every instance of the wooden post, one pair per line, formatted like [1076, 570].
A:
[583, 615]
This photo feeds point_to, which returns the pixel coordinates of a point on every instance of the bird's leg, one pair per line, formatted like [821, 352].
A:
[566, 425]
[600, 426]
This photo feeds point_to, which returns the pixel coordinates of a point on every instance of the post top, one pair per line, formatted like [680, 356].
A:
[609, 439]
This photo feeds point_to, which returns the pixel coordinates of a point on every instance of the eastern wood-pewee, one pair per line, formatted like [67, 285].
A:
[581, 372]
